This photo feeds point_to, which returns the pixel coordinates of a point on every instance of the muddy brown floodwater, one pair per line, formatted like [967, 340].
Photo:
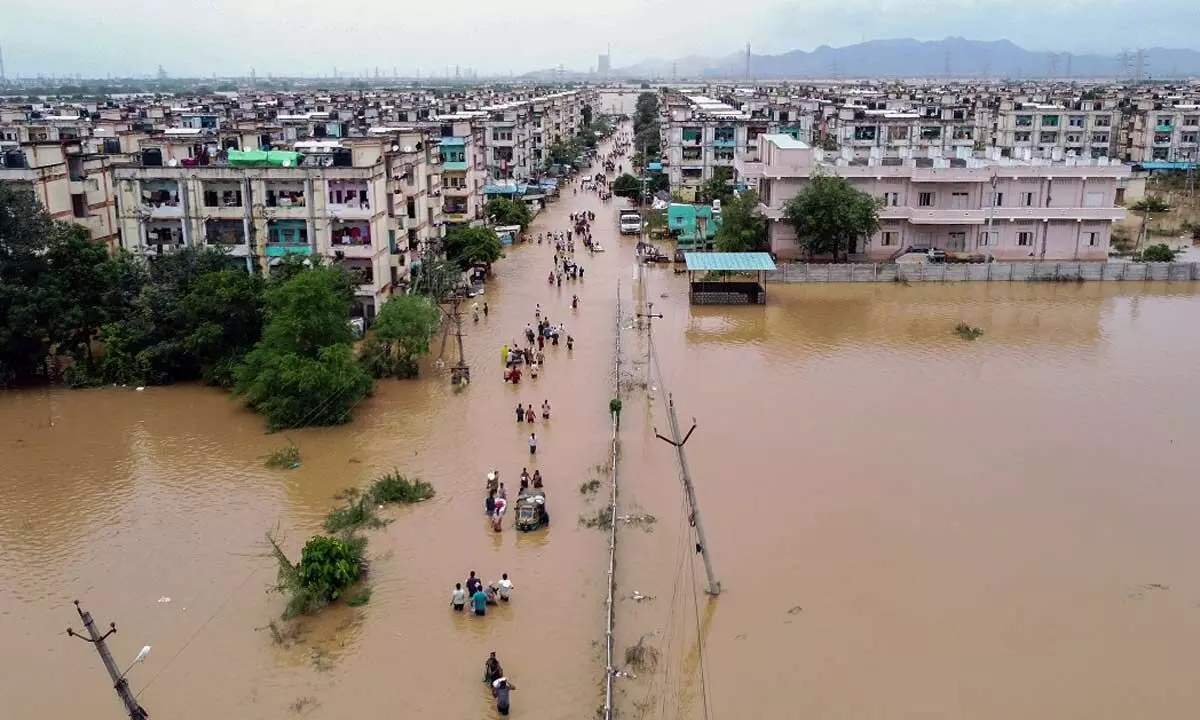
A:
[905, 524]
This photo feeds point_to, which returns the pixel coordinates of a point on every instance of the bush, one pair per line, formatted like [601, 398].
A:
[1158, 253]
[360, 512]
[396, 488]
[285, 458]
[327, 567]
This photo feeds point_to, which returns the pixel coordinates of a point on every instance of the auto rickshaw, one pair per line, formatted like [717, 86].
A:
[531, 511]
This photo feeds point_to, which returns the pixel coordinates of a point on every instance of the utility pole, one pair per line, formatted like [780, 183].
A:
[714, 587]
[120, 684]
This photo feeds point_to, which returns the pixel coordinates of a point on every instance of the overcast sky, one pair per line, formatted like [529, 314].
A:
[228, 37]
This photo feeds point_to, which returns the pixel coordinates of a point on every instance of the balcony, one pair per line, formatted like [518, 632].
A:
[161, 199]
[1163, 128]
[227, 234]
[349, 200]
[287, 237]
[351, 240]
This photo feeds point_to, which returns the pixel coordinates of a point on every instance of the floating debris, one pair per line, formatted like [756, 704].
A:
[638, 597]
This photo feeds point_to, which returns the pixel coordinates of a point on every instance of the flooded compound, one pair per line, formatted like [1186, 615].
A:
[904, 523]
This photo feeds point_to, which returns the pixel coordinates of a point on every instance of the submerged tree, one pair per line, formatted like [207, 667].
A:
[467, 246]
[829, 214]
[400, 335]
[508, 212]
[303, 371]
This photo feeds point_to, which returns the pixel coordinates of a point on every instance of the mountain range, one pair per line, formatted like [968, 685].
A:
[908, 58]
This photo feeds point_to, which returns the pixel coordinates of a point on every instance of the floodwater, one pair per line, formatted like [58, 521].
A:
[904, 524]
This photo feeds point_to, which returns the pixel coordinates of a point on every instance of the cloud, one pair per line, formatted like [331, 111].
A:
[228, 37]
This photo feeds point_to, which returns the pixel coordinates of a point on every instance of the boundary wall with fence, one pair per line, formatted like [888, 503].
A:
[982, 272]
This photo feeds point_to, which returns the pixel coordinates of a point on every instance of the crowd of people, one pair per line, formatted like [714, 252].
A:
[529, 355]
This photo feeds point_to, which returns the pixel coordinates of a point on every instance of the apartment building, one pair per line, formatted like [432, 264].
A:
[1057, 131]
[1008, 209]
[72, 184]
[901, 129]
[1166, 130]
[700, 134]
[519, 133]
[365, 203]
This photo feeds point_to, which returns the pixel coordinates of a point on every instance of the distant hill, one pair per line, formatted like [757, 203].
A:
[915, 58]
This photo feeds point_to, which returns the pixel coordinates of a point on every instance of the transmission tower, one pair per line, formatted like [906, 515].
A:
[1052, 66]
[1139, 65]
[747, 61]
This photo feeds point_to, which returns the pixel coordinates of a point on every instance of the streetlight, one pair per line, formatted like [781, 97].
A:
[141, 657]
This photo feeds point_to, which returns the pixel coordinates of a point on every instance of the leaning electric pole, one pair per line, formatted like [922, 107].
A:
[120, 684]
[677, 440]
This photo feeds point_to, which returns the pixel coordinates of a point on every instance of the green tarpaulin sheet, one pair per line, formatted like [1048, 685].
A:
[271, 158]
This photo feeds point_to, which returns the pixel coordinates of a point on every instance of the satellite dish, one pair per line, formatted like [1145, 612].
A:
[172, 162]
[327, 162]
[395, 148]
[408, 148]
[287, 162]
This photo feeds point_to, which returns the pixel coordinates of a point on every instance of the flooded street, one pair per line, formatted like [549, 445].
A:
[905, 524]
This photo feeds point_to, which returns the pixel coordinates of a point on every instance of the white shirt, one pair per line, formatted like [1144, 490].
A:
[506, 587]
[458, 596]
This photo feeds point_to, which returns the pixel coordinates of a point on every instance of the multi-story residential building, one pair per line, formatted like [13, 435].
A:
[698, 135]
[1008, 209]
[71, 184]
[1088, 129]
[365, 203]
[1163, 131]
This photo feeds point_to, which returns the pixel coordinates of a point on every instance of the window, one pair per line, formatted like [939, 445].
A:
[891, 199]
[79, 205]
[1166, 120]
[1191, 120]
[1048, 138]
[864, 132]
[926, 199]
[956, 241]
[889, 237]
[959, 200]
[1026, 199]
[989, 238]
[1092, 238]
[1101, 138]
[1074, 138]
[995, 199]
[1050, 121]
[1188, 138]
[1021, 137]
[1093, 199]
[1024, 121]
[1103, 121]
[1076, 121]
[931, 132]
[1025, 238]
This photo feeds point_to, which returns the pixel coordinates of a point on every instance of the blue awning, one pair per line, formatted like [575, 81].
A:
[735, 262]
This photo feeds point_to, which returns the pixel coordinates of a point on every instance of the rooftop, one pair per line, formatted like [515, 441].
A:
[729, 262]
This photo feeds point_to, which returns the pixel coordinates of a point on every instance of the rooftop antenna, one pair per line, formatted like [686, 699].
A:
[1139, 65]
[1068, 73]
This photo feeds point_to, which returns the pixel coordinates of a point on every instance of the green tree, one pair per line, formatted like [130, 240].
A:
[829, 213]
[56, 290]
[303, 371]
[466, 246]
[646, 127]
[508, 212]
[166, 333]
[586, 113]
[1158, 253]
[224, 312]
[743, 228]
[719, 186]
[400, 335]
[627, 186]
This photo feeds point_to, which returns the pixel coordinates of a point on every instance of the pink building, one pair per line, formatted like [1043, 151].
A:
[1009, 209]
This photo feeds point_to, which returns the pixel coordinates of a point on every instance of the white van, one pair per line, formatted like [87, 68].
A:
[630, 222]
